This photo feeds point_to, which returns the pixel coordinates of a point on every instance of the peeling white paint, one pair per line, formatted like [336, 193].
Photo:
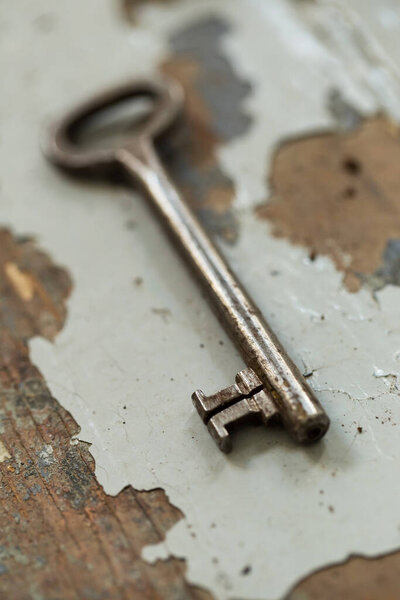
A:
[46, 455]
[4, 453]
[268, 504]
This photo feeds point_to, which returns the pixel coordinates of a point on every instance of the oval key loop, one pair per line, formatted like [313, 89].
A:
[62, 149]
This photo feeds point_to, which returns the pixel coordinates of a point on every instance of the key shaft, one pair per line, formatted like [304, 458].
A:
[301, 412]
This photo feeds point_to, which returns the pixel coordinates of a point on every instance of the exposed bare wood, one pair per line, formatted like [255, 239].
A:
[61, 535]
[356, 579]
[338, 194]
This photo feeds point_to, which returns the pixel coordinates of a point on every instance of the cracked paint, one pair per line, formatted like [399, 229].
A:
[64, 528]
[270, 513]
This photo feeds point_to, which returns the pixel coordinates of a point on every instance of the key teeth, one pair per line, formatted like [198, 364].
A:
[232, 405]
[247, 381]
[220, 435]
[199, 399]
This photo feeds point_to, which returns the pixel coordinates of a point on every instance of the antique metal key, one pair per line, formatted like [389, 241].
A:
[271, 385]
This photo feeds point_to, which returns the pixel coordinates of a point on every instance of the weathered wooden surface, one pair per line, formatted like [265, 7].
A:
[356, 579]
[61, 536]
[286, 92]
[352, 209]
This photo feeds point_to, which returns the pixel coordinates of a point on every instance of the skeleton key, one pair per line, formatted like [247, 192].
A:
[271, 386]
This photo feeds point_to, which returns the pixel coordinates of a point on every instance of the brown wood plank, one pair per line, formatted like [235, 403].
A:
[61, 535]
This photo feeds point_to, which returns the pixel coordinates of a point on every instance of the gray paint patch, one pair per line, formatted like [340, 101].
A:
[347, 117]
[218, 83]
[218, 93]
[389, 272]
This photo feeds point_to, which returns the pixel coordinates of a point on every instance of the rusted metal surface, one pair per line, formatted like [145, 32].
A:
[338, 194]
[61, 535]
[287, 390]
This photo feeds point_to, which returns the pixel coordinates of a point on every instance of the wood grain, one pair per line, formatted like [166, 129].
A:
[61, 535]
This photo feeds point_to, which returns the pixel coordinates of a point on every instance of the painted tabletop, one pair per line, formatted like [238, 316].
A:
[289, 152]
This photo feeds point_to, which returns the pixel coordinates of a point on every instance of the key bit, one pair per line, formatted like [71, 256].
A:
[246, 400]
